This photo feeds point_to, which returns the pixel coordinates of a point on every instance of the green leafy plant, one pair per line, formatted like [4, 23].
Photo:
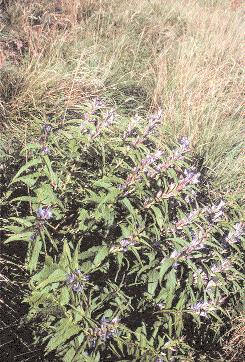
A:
[128, 254]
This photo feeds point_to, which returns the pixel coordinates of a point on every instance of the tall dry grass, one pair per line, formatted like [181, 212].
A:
[185, 56]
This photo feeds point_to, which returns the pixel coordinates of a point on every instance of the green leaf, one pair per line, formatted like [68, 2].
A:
[103, 184]
[101, 255]
[51, 174]
[22, 222]
[83, 216]
[25, 199]
[165, 265]
[67, 330]
[57, 276]
[68, 357]
[129, 206]
[31, 146]
[152, 281]
[21, 236]
[66, 251]
[64, 296]
[159, 216]
[31, 163]
[35, 254]
[45, 195]
[28, 180]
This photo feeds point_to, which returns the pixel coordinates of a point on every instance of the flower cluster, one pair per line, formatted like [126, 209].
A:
[148, 167]
[150, 159]
[190, 177]
[190, 197]
[215, 212]
[203, 308]
[97, 104]
[131, 127]
[106, 330]
[108, 120]
[92, 119]
[137, 172]
[44, 213]
[210, 279]
[174, 188]
[124, 244]
[77, 281]
[210, 282]
[160, 306]
[200, 275]
[158, 359]
[223, 267]
[47, 129]
[176, 155]
[197, 243]
[45, 150]
[153, 121]
[235, 235]
[180, 224]
[184, 146]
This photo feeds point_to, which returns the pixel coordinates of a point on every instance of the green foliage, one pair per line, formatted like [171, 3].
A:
[126, 251]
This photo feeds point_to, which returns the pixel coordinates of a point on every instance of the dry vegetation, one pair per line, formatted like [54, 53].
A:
[183, 55]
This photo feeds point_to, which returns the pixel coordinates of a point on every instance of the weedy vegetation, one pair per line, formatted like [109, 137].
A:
[127, 252]
[122, 150]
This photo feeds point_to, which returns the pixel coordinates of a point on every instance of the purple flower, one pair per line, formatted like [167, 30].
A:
[47, 128]
[77, 280]
[131, 127]
[235, 235]
[44, 213]
[109, 118]
[126, 243]
[216, 211]
[175, 254]
[191, 177]
[189, 198]
[197, 242]
[202, 308]
[156, 117]
[224, 266]
[97, 103]
[185, 144]
[122, 187]
[187, 220]
[151, 158]
[45, 150]
[212, 283]
[33, 236]
[108, 329]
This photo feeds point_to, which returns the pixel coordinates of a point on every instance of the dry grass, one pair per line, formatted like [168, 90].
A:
[235, 346]
[185, 56]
